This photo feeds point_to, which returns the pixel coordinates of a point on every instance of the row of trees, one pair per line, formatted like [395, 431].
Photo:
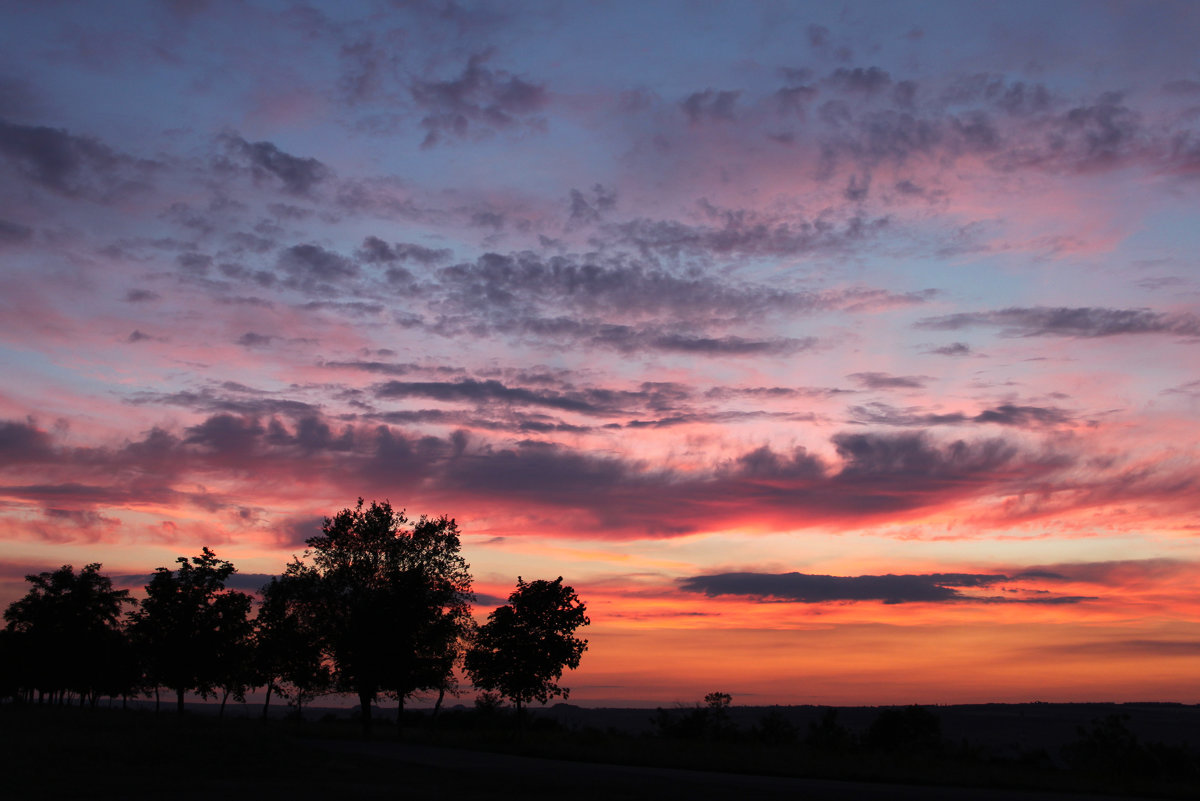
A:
[378, 605]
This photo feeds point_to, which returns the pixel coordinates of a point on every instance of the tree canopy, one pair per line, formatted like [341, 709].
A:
[289, 658]
[63, 625]
[192, 629]
[523, 648]
[392, 601]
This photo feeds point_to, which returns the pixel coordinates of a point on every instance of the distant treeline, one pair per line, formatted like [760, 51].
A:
[907, 744]
[377, 606]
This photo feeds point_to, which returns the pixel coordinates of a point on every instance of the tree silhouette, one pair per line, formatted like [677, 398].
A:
[233, 659]
[523, 648]
[66, 631]
[13, 670]
[188, 624]
[434, 597]
[393, 603]
[288, 646]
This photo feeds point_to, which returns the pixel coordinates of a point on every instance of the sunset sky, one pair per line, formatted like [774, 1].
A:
[835, 353]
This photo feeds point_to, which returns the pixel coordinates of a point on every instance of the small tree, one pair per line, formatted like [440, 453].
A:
[287, 645]
[431, 602]
[523, 648]
[233, 670]
[187, 622]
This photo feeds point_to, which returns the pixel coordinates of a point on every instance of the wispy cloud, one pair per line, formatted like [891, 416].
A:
[1070, 322]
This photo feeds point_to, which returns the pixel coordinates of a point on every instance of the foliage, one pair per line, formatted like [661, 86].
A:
[709, 720]
[488, 703]
[718, 702]
[687, 723]
[65, 633]
[393, 604]
[192, 630]
[905, 729]
[233, 671]
[774, 728]
[826, 734]
[1109, 748]
[14, 675]
[523, 648]
[288, 653]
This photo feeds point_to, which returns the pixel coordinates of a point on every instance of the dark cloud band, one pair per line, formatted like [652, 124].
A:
[889, 589]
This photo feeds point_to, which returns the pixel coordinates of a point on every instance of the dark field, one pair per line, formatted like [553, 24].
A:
[1001, 751]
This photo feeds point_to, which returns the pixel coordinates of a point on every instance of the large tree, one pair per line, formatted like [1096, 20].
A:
[190, 627]
[523, 648]
[66, 630]
[393, 601]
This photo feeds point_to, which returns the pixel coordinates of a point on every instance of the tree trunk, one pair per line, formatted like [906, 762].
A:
[400, 716]
[267, 705]
[437, 707]
[224, 698]
[157, 699]
[179, 700]
[364, 701]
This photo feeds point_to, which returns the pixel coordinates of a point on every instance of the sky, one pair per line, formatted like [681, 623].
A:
[835, 353]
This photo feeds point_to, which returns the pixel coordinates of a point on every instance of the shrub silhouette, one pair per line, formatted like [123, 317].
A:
[710, 721]
[775, 729]
[1109, 749]
[826, 734]
[907, 729]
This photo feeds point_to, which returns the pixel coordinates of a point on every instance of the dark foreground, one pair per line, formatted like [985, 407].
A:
[508, 776]
[57, 752]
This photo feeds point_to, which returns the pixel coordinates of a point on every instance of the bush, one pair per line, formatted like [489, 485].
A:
[827, 734]
[489, 704]
[710, 721]
[909, 729]
[775, 729]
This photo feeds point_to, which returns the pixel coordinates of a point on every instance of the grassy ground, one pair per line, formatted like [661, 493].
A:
[69, 753]
[60, 752]
[955, 767]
